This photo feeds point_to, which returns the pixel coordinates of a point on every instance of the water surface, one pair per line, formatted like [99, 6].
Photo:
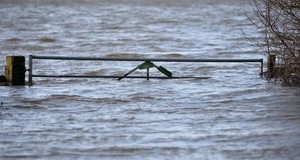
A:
[233, 115]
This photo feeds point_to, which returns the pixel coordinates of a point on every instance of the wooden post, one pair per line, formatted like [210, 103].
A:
[271, 65]
[15, 70]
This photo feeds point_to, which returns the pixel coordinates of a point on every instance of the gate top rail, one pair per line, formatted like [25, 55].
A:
[146, 59]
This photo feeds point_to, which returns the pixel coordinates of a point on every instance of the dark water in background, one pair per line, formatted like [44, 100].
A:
[233, 115]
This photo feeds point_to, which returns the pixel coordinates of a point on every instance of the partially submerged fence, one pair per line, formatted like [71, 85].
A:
[148, 63]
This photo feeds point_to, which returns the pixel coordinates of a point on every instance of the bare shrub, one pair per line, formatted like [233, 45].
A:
[280, 21]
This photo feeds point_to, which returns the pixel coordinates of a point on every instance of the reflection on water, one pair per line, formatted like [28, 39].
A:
[233, 115]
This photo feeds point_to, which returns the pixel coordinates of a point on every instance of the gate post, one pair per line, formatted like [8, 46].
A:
[15, 70]
[271, 65]
[30, 70]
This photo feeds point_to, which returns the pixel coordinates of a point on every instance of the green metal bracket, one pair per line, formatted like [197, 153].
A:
[164, 71]
[147, 65]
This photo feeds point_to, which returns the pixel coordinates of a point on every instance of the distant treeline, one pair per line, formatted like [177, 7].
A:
[280, 22]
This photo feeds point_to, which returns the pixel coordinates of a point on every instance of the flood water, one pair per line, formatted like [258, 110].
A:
[234, 114]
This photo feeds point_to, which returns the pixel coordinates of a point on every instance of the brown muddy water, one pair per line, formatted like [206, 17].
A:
[233, 115]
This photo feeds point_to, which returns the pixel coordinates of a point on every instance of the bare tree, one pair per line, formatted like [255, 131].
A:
[280, 20]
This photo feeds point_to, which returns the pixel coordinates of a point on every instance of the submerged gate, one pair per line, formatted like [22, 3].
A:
[146, 64]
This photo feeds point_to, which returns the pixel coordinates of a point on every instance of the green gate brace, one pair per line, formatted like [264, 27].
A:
[147, 65]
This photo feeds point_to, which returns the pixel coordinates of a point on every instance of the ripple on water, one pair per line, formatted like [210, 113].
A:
[14, 40]
[46, 40]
